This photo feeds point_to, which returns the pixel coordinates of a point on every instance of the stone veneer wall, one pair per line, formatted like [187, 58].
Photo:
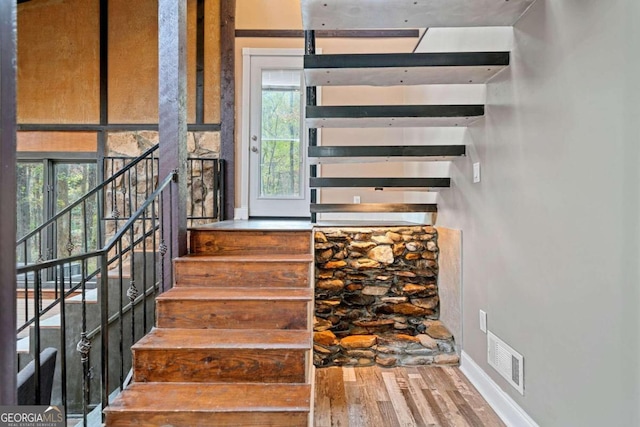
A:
[377, 298]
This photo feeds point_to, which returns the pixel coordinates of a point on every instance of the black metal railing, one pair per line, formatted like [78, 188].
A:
[97, 216]
[91, 301]
[103, 310]
[204, 188]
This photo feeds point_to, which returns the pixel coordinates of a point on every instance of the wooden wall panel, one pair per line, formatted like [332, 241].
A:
[58, 62]
[133, 61]
[212, 62]
[57, 142]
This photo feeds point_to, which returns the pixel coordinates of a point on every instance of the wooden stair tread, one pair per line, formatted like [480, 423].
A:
[384, 153]
[237, 294]
[212, 397]
[340, 116]
[388, 69]
[375, 14]
[246, 258]
[373, 207]
[181, 339]
[404, 184]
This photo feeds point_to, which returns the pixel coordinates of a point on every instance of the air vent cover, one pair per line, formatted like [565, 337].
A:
[507, 361]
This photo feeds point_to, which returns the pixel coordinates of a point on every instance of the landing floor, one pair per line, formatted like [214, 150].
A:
[293, 224]
[393, 397]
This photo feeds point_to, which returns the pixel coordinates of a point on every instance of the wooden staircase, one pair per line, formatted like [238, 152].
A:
[233, 338]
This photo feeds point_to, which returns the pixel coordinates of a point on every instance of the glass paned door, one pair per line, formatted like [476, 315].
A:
[278, 171]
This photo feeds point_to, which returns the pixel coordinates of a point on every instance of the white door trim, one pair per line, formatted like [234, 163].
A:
[243, 211]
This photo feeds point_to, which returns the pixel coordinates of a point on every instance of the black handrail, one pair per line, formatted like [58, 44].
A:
[138, 230]
[90, 193]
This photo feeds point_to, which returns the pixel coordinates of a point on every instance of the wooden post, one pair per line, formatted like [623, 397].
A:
[227, 115]
[172, 125]
[8, 366]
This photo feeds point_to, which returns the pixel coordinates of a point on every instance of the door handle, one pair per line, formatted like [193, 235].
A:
[254, 149]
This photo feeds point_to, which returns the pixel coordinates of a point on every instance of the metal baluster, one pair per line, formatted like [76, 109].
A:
[84, 346]
[121, 312]
[144, 270]
[203, 190]
[63, 341]
[132, 292]
[216, 188]
[36, 303]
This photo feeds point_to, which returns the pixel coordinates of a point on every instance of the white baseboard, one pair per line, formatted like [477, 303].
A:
[506, 408]
[241, 213]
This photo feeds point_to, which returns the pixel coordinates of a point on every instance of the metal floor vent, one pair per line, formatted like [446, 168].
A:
[507, 361]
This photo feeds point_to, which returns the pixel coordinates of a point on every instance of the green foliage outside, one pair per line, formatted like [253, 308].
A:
[280, 154]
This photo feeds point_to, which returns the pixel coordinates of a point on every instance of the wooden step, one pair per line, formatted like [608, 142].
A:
[237, 308]
[250, 242]
[244, 271]
[383, 153]
[373, 207]
[221, 355]
[405, 184]
[362, 14]
[365, 116]
[389, 69]
[193, 405]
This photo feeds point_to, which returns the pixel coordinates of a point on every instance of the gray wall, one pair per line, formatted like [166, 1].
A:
[551, 234]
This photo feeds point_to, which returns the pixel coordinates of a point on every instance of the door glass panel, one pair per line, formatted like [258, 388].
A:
[30, 194]
[280, 148]
[72, 181]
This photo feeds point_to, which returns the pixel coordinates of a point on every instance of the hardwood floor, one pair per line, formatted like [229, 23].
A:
[399, 397]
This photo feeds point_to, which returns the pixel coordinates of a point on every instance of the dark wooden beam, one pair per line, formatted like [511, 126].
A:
[172, 126]
[200, 63]
[8, 367]
[227, 103]
[347, 34]
[111, 127]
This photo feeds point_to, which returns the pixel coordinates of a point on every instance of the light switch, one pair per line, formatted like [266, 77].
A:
[476, 172]
[483, 321]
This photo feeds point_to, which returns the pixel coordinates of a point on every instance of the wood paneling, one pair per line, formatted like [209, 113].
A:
[57, 142]
[58, 65]
[420, 396]
[133, 61]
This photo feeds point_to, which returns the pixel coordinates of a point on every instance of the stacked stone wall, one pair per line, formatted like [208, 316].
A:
[377, 298]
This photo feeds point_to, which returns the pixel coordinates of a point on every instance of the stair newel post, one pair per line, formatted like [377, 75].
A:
[310, 49]
[172, 85]
[8, 364]
[104, 327]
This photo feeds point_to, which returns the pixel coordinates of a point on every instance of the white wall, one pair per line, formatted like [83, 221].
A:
[551, 235]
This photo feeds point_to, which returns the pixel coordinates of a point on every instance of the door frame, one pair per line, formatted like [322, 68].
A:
[244, 135]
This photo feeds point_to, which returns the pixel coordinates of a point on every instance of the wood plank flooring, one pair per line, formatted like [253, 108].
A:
[399, 397]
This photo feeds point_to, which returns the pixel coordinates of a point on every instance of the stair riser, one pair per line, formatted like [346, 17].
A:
[245, 274]
[202, 419]
[193, 314]
[220, 365]
[221, 242]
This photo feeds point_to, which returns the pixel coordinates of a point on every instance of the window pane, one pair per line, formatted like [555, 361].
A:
[72, 181]
[30, 205]
[280, 166]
